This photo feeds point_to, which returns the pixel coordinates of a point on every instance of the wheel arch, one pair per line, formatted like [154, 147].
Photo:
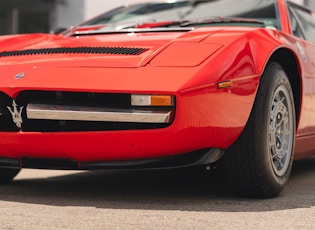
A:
[290, 64]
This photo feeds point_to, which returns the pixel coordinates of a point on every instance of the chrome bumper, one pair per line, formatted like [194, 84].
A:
[81, 113]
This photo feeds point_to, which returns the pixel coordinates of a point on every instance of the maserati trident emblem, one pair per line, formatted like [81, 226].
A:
[16, 114]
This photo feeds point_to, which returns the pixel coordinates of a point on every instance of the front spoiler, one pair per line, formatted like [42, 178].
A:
[201, 157]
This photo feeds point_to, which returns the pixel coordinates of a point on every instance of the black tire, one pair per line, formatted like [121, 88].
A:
[7, 175]
[259, 163]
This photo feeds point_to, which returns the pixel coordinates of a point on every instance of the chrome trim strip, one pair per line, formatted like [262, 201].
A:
[133, 30]
[81, 113]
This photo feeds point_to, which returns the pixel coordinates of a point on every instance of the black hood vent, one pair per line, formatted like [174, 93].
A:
[76, 50]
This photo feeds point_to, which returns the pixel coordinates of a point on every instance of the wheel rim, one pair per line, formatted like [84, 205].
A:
[281, 129]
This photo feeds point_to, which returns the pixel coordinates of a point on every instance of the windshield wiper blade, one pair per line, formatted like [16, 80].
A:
[214, 20]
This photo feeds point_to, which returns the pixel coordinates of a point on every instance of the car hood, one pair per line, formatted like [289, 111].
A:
[101, 50]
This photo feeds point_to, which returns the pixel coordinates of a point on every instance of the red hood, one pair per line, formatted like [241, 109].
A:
[151, 43]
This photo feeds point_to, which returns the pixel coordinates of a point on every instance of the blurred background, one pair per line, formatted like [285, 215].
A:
[27, 16]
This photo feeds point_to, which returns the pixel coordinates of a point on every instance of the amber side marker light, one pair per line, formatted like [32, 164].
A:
[152, 100]
[225, 84]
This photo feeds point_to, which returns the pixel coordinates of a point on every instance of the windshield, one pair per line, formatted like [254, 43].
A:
[185, 10]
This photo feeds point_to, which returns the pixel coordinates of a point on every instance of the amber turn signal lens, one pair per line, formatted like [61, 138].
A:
[161, 100]
[225, 84]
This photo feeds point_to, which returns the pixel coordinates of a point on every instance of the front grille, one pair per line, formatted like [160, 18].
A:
[76, 50]
[102, 100]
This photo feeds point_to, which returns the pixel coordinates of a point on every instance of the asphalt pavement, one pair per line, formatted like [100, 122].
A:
[46, 199]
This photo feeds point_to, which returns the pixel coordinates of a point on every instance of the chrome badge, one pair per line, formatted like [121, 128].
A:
[20, 75]
[16, 114]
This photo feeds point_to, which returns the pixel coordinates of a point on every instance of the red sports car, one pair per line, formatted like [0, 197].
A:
[165, 84]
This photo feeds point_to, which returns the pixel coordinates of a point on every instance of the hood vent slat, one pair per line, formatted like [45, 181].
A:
[76, 50]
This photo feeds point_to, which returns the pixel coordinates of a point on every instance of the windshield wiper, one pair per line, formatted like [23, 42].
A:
[219, 20]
